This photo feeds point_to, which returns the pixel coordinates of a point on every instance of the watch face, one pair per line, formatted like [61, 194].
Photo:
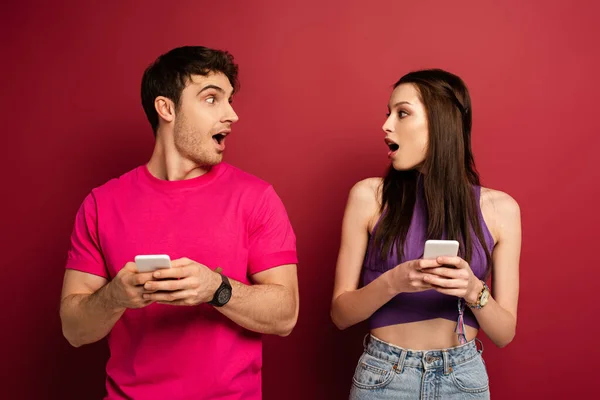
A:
[224, 296]
[484, 298]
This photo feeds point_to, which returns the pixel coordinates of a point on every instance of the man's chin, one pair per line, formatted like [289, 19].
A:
[218, 159]
[204, 162]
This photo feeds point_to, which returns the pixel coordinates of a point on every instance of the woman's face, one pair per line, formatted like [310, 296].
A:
[407, 134]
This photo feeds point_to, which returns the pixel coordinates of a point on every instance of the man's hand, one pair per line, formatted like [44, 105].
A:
[126, 289]
[186, 283]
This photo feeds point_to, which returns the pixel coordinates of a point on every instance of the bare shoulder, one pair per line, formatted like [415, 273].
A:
[365, 199]
[367, 192]
[500, 211]
[502, 202]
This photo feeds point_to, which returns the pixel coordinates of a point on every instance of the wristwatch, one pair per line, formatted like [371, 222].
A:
[483, 298]
[223, 293]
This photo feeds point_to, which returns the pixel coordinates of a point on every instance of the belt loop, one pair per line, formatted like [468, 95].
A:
[365, 341]
[480, 343]
[399, 367]
[447, 366]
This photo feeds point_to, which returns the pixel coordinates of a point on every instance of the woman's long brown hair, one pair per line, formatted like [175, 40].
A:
[447, 175]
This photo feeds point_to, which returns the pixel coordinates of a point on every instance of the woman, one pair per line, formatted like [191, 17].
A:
[424, 315]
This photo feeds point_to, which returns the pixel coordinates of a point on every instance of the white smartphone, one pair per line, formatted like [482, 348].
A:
[440, 248]
[152, 262]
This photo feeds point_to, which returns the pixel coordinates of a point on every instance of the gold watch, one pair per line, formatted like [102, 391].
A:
[482, 299]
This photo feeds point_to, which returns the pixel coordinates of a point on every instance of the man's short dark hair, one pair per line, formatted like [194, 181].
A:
[171, 72]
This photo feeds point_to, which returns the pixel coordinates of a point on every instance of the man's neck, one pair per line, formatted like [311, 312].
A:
[168, 164]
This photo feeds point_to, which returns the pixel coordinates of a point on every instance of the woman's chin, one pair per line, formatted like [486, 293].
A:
[400, 166]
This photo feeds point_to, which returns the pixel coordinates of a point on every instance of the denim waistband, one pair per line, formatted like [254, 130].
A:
[422, 359]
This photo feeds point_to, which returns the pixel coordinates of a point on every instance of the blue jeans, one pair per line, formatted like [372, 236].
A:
[385, 371]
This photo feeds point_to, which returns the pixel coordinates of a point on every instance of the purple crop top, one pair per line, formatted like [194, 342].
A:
[429, 304]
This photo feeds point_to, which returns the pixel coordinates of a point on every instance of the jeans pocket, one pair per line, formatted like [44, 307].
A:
[372, 372]
[471, 377]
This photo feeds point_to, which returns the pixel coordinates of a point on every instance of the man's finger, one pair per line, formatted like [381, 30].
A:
[181, 262]
[167, 285]
[175, 303]
[140, 278]
[130, 266]
[172, 273]
[169, 297]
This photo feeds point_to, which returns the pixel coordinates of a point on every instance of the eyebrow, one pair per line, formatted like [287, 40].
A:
[217, 88]
[400, 103]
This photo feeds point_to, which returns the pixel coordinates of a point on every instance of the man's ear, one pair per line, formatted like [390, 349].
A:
[165, 108]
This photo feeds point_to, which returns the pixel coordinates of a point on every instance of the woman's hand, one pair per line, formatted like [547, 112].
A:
[458, 281]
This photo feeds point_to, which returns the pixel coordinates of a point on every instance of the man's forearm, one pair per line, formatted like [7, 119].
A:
[87, 318]
[266, 308]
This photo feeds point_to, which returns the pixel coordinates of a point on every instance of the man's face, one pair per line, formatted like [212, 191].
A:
[203, 118]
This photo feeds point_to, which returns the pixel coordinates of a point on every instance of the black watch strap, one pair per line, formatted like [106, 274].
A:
[223, 292]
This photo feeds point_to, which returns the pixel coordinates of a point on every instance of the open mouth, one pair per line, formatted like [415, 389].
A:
[219, 137]
[393, 146]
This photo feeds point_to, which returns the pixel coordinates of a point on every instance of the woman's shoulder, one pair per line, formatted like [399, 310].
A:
[500, 201]
[369, 184]
[499, 210]
[367, 190]
[365, 199]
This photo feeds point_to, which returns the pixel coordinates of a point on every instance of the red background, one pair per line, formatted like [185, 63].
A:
[316, 76]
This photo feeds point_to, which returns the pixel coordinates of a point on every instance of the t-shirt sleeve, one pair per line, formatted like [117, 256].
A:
[272, 241]
[84, 252]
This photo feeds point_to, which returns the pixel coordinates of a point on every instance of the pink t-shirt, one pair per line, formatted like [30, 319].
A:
[224, 218]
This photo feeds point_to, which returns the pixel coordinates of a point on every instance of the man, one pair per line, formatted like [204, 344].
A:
[194, 330]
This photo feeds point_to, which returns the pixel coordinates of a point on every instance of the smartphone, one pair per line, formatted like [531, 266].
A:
[440, 248]
[152, 262]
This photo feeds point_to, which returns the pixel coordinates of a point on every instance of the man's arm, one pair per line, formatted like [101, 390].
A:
[91, 305]
[270, 305]
[87, 312]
